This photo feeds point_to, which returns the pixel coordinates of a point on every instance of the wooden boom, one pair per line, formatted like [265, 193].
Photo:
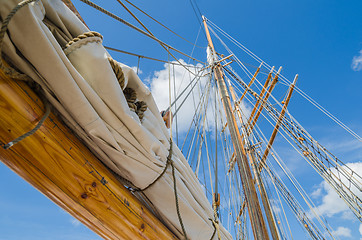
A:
[55, 162]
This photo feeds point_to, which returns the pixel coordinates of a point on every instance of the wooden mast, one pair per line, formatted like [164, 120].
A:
[267, 208]
[255, 213]
[55, 162]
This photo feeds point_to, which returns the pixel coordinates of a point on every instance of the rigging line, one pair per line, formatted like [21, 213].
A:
[331, 116]
[170, 100]
[303, 94]
[140, 22]
[196, 125]
[199, 135]
[174, 92]
[317, 147]
[197, 6]
[88, 2]
[149, 58]
[302, 194]
[197, 16]
[296, 184]
[322, 221]
[229, 154]
[192, 52]
[162, 24]
[332, 181]
[346, 174]
[226, 149]
[183, 91]
[284, 214]
[184, 100]
[349, 197]
[193, 118]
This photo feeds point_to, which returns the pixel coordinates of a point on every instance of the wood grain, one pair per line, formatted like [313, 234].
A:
[55, 162]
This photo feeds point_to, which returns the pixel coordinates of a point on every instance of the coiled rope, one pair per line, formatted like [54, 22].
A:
[139, 107]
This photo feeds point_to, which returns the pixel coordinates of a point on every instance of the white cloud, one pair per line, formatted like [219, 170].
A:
[360, 229]
[357, 62]
[342, 232]
[332, 204]
[317, 193]
[181, 77]
[159, 85]
[275, 206]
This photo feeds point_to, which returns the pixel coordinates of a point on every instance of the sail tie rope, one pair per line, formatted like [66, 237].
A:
[214, 225]
[169, 162]
[31, 132]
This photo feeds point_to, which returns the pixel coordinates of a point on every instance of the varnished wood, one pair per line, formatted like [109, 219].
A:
[265, 99]
[264, 197]
[277, 125]
[55, 162]
[253, 205]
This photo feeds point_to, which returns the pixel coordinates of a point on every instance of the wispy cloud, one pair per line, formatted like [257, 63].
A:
[331, 203]
[357, 62]
[180, 78]
[342, 232]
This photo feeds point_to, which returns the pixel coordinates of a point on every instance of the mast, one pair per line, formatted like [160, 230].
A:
[257, 221]
[264, 197]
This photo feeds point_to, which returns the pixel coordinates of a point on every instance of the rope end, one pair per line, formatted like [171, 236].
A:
[8, 145]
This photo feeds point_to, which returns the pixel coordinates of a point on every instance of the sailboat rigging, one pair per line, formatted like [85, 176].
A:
[214, 175]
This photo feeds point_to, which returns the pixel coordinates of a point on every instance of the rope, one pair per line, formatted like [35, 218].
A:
[162, 24]
[9, 71]
[213, 233]
[136, 28]
[176, 198]
[168, 162]
[118, 71]
[31, 132]
[82, 36]
[150, 58]
[139, 107]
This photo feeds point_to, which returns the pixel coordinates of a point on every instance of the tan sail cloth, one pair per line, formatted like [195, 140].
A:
[80, 84]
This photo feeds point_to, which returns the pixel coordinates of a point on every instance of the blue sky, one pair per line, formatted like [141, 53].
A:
[319, 40]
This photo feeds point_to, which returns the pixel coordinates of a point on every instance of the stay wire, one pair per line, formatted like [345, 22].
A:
[149, 58]
[303, 94]
[162, 24]
[95, 6]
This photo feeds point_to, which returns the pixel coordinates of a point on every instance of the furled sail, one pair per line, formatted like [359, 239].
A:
[50, 44]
